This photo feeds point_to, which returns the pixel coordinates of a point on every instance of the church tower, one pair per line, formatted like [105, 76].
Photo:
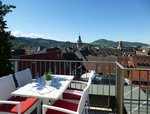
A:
[120, 45]
[79, 42]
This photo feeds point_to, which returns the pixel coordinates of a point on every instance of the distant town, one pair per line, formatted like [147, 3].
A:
[130, 57]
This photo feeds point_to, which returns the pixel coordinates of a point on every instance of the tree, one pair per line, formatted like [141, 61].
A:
[5, 45]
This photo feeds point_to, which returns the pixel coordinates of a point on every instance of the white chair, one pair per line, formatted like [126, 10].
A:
[62, 106]
[74, 94]
[85, 76]
[15, 105]
[23, 77]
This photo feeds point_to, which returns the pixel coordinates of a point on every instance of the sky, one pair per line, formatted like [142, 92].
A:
[64, 20]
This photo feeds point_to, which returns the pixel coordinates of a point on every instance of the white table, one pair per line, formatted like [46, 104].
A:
[52, 93]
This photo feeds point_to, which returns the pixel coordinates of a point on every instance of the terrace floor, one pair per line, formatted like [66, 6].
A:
[100, 104]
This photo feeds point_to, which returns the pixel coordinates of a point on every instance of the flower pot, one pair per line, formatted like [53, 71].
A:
[48, 82]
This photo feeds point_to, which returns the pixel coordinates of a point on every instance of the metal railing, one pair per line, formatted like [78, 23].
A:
[110, 80]
[135, 96]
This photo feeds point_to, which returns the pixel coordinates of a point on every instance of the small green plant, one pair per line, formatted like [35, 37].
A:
[48, 76]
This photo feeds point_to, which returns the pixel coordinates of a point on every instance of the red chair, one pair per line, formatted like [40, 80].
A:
[10, 104]
[65, 107]
[74, 94]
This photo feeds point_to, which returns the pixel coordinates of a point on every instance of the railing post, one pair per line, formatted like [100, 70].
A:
[116, 87]
[122, 91]
[119, 89]
[16, 66]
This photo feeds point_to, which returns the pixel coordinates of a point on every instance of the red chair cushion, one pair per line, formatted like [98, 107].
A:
[63, 104]
[25, 103]
[74, 89]
[71, 96]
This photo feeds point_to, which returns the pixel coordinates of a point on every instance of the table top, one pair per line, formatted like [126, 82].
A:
[53, 92]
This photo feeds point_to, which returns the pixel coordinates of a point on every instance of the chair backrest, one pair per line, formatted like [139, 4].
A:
[7, 86]
[23, 77]
[85, 94]
[92, 72]
[83, 99]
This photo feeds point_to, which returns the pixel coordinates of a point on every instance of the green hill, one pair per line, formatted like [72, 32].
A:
[34, 42]
[109, 43]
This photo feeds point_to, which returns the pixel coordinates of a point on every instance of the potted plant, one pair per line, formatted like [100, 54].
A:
[48, 78]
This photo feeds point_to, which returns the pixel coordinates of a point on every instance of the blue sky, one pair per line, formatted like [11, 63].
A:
[126, 20]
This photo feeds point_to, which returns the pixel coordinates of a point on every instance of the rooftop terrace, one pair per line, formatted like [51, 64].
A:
[105, 97]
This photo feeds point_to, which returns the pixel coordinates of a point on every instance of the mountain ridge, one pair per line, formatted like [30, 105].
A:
[34, 42]
[110, 43]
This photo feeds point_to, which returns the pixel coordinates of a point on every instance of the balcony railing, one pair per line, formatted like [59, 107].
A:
[112, 80]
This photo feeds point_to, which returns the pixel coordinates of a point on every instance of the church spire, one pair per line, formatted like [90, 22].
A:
[120, 45]
[79, 42]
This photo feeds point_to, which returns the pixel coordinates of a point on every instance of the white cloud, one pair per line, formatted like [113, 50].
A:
[76, 39]
[32, 35]
[17, 34]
